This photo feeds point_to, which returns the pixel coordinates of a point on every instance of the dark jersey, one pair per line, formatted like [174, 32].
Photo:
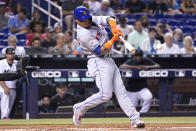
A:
[136, 84]
[67, 100]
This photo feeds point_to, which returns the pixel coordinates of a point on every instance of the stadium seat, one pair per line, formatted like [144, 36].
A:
[21, 42]
[1, 47]
[21, 36]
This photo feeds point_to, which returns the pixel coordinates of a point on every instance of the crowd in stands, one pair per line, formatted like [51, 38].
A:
[155, 26]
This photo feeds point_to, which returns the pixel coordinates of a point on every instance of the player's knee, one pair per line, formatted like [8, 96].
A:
[107, 97]
[148, 99]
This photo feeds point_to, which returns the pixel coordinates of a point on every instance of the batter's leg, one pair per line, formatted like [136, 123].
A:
[103, 76]
[122, 97]
[146, 97]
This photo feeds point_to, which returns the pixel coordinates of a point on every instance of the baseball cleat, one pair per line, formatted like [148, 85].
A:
[76, 117]
[138, 124]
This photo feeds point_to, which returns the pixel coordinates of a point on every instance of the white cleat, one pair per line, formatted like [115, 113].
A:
[76, 117]
[138, 124]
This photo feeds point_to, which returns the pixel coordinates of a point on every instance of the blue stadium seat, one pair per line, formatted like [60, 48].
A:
[1, 47]
[137, 16]
[5, 30]
[21, 36]
[191, 23]
[153, 22]
[21, 42]
[172, 23]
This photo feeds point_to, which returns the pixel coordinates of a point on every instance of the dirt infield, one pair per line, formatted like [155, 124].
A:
[101, 127]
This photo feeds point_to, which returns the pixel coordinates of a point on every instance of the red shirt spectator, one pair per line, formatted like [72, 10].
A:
[38, 32]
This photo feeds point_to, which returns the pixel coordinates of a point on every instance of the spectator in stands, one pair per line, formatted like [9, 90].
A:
[158, 7]
[37, 32]
[69, 42]
[68, 6]
[105, 9]
[44, 107]
[12, 42]
[58, 28]
[173, 7]
[169, 47]
[18, 24]
[36, 47]
[137, 88]
[188, 6]
[145, 22]
[17, 8]
[94, 5]
[150, 45]
[135, 6]
[36, 18]
[124, 28]
[161, 30]
[138, 35]
[3, 18]
[117, 6]
[60, 48]
[48, 40]
[62, 98]
[178, 37]
[188, 46]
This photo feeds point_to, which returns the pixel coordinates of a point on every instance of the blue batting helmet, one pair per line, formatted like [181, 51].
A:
[81, 13]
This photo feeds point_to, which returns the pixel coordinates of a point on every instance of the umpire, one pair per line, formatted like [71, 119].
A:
[137, 87]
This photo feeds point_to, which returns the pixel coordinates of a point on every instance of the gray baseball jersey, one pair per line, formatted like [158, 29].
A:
[103, 69]
[91, 38]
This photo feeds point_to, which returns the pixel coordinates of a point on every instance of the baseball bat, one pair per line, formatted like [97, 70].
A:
[127, 45]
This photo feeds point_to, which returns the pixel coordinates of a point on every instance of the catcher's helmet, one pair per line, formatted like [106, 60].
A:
[81, 13]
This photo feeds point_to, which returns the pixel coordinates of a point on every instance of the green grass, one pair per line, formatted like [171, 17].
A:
[97, 121]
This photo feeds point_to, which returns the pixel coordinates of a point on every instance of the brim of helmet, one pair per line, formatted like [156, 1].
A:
[85, 18]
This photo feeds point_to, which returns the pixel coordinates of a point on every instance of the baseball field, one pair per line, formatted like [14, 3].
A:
[100, 124]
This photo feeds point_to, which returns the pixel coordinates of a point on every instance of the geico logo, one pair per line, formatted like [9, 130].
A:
[194, 73]
[48, 74]
[157, 73]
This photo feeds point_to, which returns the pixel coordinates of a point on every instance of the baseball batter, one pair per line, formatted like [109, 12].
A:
[94, 41]
[7, 88]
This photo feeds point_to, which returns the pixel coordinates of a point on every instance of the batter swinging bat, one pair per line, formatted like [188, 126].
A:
[127, 45]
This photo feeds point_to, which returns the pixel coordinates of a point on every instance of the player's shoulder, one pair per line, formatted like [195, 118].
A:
[2, 61]
[15, 61]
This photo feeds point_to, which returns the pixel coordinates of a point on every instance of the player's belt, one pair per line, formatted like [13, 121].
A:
[106, 55]
[12, 88]
[103, 56]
